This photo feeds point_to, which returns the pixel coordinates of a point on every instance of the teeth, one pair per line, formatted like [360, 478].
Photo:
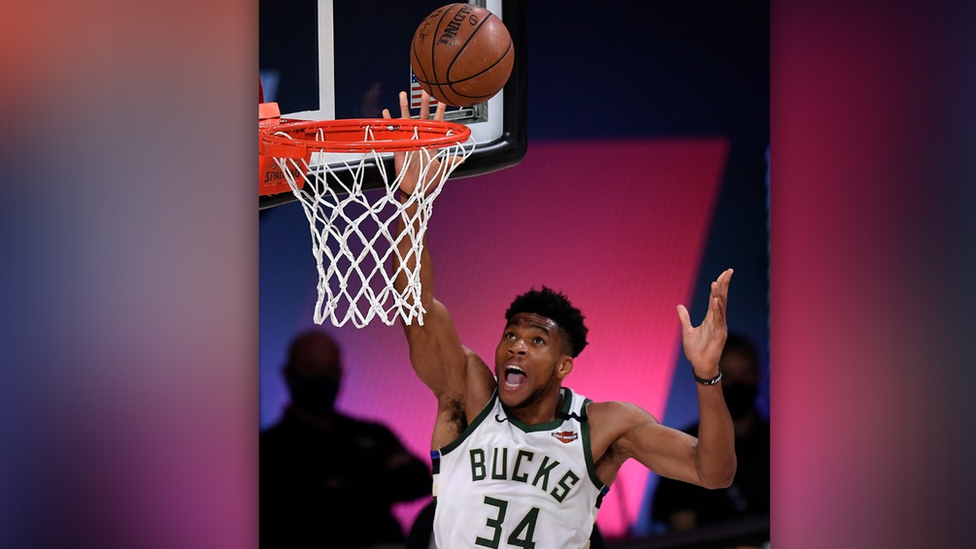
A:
[521, 376]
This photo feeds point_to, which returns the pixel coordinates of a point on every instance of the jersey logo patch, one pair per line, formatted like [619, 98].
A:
[565, 436]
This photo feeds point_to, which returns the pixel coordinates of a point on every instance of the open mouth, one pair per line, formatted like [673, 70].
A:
[514, 377]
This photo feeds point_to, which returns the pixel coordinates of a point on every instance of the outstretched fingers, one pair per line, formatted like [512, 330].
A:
[720, 288]
[439, 112]
[684, 318]
[441, 109]
[425, 108]
[400, 157]
[703, 343]
[718, 299]
[405, 106]
[409, 161]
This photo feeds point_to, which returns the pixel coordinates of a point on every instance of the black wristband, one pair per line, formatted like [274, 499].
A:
[712, 381]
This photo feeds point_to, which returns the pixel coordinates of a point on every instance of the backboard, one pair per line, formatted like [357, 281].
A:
[337, 59]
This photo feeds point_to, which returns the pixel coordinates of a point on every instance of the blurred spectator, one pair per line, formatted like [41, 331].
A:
[681, 506]
[328, 480]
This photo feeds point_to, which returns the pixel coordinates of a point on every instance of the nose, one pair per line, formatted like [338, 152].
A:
[518, 347]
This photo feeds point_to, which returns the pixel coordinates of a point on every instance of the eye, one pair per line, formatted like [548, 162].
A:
[539, 341]
[509, 335]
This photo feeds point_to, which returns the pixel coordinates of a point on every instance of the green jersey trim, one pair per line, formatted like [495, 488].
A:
[588, 454]
[567, 405]
[444, 450]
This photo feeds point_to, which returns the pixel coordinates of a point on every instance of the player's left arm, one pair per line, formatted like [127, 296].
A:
[715, 448]
[621, 431]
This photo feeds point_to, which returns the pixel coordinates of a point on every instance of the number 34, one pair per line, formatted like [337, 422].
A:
[520, 537]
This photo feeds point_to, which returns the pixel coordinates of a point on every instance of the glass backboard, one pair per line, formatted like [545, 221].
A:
[338, 59]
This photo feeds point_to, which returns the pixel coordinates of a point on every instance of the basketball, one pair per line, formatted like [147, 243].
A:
[462, 54]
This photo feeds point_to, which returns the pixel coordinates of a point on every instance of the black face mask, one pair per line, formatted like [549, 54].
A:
[314, 394]
[740, 398]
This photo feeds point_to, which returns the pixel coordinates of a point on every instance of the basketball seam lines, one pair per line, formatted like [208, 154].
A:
[433, 65]
[488, 68]
[435, 81]
[462, 48]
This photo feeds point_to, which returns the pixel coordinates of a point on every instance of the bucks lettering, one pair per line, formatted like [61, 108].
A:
[525, 467]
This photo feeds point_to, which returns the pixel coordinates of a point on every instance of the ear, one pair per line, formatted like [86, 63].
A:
[564, 366]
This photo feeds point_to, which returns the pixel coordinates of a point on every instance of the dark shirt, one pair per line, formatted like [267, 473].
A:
[331, 488]
[748, 496]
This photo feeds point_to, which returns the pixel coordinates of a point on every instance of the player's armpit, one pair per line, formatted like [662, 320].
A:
[633, 432]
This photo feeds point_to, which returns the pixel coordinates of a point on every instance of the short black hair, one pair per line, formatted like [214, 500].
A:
[554, 305]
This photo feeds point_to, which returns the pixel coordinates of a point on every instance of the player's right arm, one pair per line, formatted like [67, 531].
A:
[458, 378]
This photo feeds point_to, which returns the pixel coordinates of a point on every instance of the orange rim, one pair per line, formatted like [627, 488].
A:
[295, 139]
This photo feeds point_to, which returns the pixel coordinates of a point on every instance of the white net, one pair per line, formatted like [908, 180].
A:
[355, 231]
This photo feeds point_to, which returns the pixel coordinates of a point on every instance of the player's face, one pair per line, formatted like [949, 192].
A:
[527, 359]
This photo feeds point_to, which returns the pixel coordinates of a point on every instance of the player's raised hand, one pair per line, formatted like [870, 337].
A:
[703, 343]
[411, 160]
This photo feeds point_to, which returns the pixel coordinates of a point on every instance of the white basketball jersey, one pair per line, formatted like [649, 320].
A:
[503, 483]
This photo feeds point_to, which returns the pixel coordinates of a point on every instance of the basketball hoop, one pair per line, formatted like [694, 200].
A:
[354, 229]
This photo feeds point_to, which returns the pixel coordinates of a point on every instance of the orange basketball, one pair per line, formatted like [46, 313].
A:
[462, 54]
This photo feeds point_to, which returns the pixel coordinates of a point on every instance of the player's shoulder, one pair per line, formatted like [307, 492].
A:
[612, 422]
[356, 426]
[480, 383]
[617, 413]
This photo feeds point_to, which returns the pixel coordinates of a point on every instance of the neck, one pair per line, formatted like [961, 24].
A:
[326, 421]
[537, 410]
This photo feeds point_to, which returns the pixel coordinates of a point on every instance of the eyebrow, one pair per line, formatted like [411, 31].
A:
[531, 324]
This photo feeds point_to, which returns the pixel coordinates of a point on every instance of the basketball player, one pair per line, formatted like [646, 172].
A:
[521, 461]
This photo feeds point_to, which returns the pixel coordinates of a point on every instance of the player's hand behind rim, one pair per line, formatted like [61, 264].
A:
[412, 159]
